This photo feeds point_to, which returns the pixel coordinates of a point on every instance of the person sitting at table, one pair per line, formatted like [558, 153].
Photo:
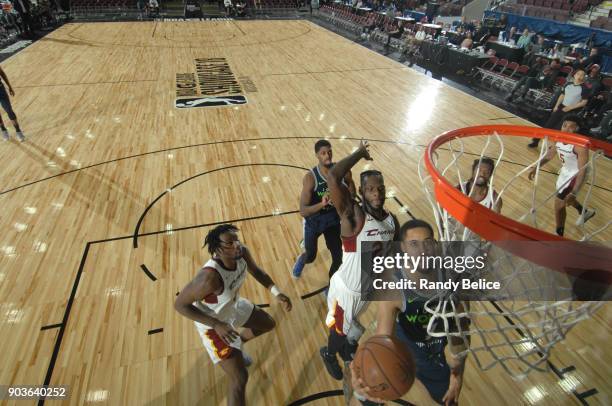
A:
[557, 51]
[508, 37]
[525, 39]
[535, 50]
[539, 76]
[457, 37]
[396, 33]
[467, 43]
[500, 25]
[481, 35]
[421, 34]
[573, 53]
[573, 98]
[593, 58]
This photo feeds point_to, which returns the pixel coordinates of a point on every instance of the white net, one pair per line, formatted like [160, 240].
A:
[536, 307]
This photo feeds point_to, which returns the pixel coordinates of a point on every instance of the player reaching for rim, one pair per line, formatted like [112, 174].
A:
[406, 318]
[571, 176]
[211, 300]
[359, 223]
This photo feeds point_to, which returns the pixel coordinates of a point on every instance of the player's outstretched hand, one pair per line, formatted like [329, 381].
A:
[364, 146]
[11, 91]
[361, 388]
[226, 332]
[451, 397]
[285, 302]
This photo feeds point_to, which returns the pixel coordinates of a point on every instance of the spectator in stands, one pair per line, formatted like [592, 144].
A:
[240, 8]
[604, 116]
[481, 35]
[456, 37]
[593, 80]
[24, 8]
[396, 33]
[141, 6]
[593, 58]
[558, 51]
[153, 7]
[525, 39]
[539, 77]
[421, 34]
[500, 25]
[573, 99]
[604, 130]
[511, 36]
[540, 46]
[229, 8]
[573, 53]
[468, 42]
[533, 50]
[593, 110]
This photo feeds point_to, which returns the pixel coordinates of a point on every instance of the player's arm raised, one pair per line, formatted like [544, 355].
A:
[306, 196]
[550, 154]
[340, 194]
[206, 283]
[262, 277]
[348, 179]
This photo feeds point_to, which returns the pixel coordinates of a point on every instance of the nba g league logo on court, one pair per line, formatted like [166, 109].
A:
[212, 85]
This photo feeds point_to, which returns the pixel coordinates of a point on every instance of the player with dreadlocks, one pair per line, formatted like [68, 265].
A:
[211, 300]
[359, 223]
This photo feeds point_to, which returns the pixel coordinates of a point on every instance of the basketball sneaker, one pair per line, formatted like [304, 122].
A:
[331, 364]
[298, 267]
[585, 216]
[20, 136]
[5, 135]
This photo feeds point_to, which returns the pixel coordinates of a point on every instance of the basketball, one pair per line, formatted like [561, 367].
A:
[386, 366]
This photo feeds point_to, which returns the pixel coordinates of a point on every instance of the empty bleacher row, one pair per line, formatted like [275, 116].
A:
[558, 10]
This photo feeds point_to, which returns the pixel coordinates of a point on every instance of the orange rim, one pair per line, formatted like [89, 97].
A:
[499, 229]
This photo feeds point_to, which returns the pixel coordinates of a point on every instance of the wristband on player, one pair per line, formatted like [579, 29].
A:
[275, 290]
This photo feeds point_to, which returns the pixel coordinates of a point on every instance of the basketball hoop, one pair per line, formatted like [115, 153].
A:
[519, 332]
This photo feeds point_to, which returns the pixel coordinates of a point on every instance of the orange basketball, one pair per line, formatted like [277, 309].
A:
[386, 366]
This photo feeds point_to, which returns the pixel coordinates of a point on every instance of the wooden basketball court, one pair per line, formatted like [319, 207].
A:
[105, 206]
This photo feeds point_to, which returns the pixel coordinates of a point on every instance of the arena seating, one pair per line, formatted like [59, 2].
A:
[530, 10]
[273, 6]
[603, 23]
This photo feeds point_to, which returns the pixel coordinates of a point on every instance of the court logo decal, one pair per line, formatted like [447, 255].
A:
[212, 85]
